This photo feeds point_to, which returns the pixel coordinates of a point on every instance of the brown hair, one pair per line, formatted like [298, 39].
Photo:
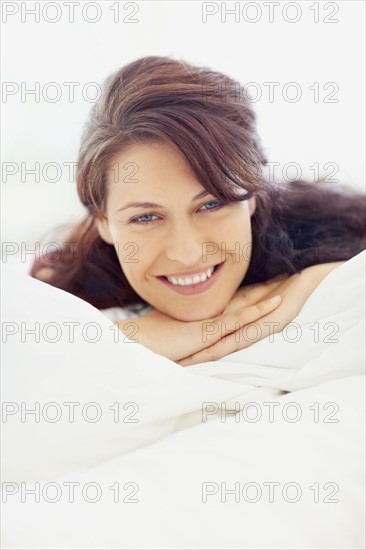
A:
[211, 122]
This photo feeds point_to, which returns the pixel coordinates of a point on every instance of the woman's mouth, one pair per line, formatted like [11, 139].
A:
[193, 284]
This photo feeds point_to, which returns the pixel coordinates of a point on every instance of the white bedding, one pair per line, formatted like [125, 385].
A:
[170, 452]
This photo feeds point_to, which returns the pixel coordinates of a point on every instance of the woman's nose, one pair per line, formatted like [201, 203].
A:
[184, 245]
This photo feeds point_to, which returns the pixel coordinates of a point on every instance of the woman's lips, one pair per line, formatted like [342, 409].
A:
[197, 288]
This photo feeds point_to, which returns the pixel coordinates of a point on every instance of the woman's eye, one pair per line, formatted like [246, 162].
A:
[144, 219]
[212, 205]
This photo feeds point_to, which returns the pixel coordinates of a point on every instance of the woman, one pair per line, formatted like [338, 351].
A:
[183, 228]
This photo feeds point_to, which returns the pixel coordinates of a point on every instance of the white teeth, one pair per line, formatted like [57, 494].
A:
[183, 281]
[197, 279]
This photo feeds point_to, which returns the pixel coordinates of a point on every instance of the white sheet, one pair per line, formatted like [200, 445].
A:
[170, 513]
[325, 379]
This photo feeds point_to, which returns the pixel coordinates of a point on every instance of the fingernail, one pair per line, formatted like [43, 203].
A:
[275, 299]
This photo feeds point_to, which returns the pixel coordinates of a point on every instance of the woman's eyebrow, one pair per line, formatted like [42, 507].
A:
[155, 205]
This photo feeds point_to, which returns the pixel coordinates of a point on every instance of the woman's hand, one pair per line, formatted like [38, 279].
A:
[249, 317]
[294, 291]
[180, 339]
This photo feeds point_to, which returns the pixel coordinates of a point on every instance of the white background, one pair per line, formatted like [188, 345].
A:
[36, 129]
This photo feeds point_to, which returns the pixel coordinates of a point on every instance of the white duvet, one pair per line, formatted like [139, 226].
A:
[155, 454]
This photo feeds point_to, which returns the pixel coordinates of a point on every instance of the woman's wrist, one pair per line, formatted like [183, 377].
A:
[315, 274]
[324, 269]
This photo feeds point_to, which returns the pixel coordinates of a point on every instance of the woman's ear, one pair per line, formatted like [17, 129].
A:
[252, 206]
[101, 223]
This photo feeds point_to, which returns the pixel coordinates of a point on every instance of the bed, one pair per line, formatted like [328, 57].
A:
[108, 445]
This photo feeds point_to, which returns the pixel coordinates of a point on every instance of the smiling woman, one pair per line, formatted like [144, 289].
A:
[172, 168]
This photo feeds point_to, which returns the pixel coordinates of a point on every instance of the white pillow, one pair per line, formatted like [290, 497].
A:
[51, 367]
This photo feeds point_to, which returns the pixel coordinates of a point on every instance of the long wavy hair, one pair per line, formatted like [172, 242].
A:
[210, 120]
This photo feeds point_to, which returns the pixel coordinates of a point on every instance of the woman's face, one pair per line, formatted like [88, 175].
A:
[181, 250]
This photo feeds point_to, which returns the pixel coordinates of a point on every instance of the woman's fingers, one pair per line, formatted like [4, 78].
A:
[213, 331]
[242, 338]
[252, 294]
